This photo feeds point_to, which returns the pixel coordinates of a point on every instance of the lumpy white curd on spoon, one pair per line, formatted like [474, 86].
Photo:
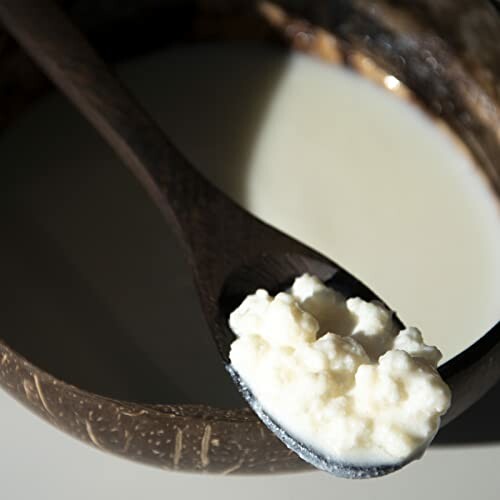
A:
[338, 375]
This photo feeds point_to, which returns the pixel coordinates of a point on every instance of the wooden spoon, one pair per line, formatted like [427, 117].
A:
[231, 253]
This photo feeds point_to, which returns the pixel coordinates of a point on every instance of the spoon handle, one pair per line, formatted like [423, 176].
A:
[50, 38]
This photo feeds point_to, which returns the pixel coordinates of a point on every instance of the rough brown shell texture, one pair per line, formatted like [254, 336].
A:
[445, 52]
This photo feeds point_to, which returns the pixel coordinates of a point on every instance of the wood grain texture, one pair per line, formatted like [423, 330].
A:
[399, 41]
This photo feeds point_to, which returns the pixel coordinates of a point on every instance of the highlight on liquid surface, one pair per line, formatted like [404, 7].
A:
[313, 149]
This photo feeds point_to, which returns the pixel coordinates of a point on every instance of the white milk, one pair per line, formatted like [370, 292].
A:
[349, 169]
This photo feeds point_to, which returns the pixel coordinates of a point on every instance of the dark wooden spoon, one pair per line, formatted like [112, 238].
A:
[231, 252]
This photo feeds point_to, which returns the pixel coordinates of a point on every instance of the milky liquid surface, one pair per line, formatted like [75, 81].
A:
[351, 170]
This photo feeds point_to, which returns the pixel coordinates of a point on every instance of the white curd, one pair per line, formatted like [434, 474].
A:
[337, 374]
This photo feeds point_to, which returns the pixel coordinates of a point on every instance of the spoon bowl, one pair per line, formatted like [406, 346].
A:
[276, 273]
